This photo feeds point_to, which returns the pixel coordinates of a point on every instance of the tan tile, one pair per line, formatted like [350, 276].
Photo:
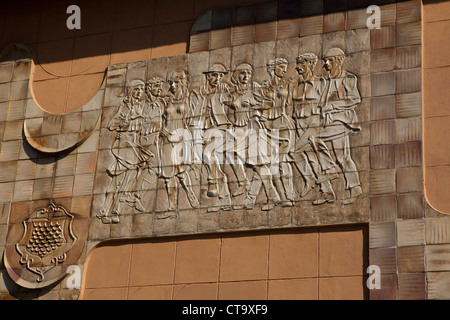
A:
[98, 272]
[170, 40]
[382, 38]
[311, 25]
[409, 11]
[435, 11]
[383, 208]
[285, 260]
[408, 129]
[409, 81]
[382, 181]
[82, 89]
[293, 289]
[437, 230]
[153, 263]
[438, 285]
[131, 45]
[104, 294]
[199, 42]
[383, 84]
[341, 288]
[150, 293]
[382, 234]
[437, 257]
[245, 290]
[195, 291]
[411, 286]
[408, 154]
[409, 179]
[242, 35]
[334, 21]
[385, 258]
[382, 60]
[410, 206]
[382, 156]
[410, 232]
[197, 260]
[411, 259]
[388, 288]
[409, 34]
[341, 253]
[409, 57]
[220, 38]
[244, 258]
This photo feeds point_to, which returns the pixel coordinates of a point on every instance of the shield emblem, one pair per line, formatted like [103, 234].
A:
[46, 240]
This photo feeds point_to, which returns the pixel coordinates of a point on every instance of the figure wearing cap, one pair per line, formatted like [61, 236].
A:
[339, 116]
[312, 157]
[210, 104]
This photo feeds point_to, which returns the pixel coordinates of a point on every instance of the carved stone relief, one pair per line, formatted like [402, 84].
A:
[169, 130]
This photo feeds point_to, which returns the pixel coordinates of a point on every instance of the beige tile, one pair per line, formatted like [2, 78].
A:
[197, 260]
[153, 263]
[410, 232]
[245, 290]
[285, 260]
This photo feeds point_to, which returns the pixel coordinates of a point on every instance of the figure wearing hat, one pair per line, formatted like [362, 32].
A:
[209, 104]
[340, 119]
[311, 154]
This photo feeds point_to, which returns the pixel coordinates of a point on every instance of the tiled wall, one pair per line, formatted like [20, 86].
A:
[325, 263]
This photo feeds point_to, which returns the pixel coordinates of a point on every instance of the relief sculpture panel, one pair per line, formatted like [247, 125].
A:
[227, 139]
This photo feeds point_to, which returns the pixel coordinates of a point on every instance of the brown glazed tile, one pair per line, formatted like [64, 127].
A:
[288, 28]
[334, 21]
[409, 34]
[220, 38]
[383, 84]
[382, 108]
[382, 234]
[357, 18]
[409, 129]
[408, 154]
[382, 156]
[411, 259]
[409, 11]
[409, 179]
[242, 34]
[311, 25]
[410, 206]
[437, 230]
[382, 132]
[383, 208]
[199, 42]
[388, 288]
[409, 57]
[438, 285]
[266, 31]
[385, 258]
[410, 232]
[412, 286]
[382, 60]
[409, 81]
[293, 289]
[434, 257]
[382, 38]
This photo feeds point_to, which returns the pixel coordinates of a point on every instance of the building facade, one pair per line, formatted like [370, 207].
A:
[224, 150]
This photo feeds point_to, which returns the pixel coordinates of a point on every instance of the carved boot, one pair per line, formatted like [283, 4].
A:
[310, 183]
[212, 190]
[328, 196]
[355, 192]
